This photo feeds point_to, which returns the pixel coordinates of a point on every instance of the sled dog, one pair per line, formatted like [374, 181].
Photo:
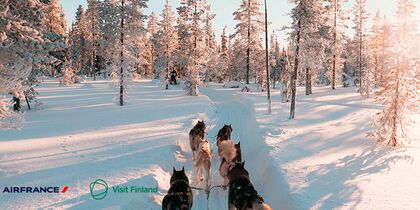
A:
[179, 196]
[230, 154]
[196, 135]
[224, 134]
[203, 161]
[242, 194]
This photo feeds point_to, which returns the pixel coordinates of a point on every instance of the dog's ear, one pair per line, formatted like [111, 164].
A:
[239, 143]
[230, 125]
[173, 168]
[183, 170]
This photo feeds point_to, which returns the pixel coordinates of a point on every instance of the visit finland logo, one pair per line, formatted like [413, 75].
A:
[99, 189]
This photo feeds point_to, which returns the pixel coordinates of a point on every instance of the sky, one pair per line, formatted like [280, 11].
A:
[278, 12]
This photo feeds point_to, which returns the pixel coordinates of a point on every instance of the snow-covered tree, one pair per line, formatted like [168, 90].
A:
[248, 33]
[128, 44]
[93, 35]
[224, 53]
[360, 20]
[307, 38]
[275, 59]
[375, 48]
[184, 33]
[167, 42]
[22, 45]
[108, 22]
[337, 22]
[55, 34]
[78, 38]
[213, 67]
[285, 73]
[400, 89]
[197, 58]
[152, 43]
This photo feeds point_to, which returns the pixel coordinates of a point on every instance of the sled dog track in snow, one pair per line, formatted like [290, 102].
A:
[231, 108]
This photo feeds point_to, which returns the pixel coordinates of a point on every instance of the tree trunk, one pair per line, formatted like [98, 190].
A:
[248, 50]
[93, 63]
[360, 50]
[294, 75]
[308, 80]
[394, 141]
[266, 60]
[122, 56]
[335, 46]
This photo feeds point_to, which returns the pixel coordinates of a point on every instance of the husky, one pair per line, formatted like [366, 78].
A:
[179, 196]
[242, 194]
[224, 134]
[196, 135]
[203, 160]
[231, 154]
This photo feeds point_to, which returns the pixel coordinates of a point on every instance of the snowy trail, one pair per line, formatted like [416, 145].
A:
[80, 135]
[267, 179]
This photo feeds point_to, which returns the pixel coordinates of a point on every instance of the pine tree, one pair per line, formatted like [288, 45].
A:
[108, 23]
[55, 34]
[125, 61]
[400, 90]
[274, 61]
[167, 38]
[213, 68]
[197, 55]
[93, 34]
[22, 46]
[307, 38]
[152, 28]
[375, 52]
[79, 51]
[224, 60]
[312, 47]
[184, 41]
[336, 19]
[285, 74]
[249, 30]
[360, 21]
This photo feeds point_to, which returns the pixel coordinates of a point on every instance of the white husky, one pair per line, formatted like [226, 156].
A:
[227, 155]
[203, 160]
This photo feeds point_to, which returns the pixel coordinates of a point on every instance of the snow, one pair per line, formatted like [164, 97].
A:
[327, 159]
[320, 160]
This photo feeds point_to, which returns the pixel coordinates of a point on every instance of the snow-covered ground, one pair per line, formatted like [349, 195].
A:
[327, 159]
[321, 160]
[80, 135]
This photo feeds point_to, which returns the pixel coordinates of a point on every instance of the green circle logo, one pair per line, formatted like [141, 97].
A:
[100, 187]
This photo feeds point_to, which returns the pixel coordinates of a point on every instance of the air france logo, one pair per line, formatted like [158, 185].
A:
[35, 189]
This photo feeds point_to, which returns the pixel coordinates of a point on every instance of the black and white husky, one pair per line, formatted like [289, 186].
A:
[242, 195]
[179, 196]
